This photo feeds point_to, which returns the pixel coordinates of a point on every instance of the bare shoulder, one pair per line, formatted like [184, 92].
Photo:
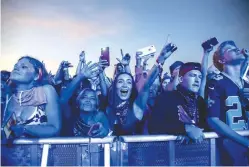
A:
[49, 90]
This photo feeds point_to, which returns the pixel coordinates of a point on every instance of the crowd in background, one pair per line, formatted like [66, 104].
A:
[190, 100]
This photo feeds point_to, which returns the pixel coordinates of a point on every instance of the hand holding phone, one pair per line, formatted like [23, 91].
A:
[166, 52]
[146, 52]
[105, 55]
[209, 44]
[93, 129]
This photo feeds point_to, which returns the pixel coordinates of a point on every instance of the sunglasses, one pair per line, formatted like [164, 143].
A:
[232, 50]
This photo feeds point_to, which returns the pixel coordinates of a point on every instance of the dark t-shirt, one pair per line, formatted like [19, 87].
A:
[165, 118]
[125, 127]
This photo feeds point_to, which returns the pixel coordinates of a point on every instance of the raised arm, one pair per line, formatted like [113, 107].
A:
[82, 62]
[60, 73]
[145, 64]
[204, 68]
[88, 71]
[138, 67]
[141, 100]
[102, 65]
[126, 62]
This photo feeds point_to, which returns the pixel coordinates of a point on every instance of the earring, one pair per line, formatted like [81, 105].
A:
[39, 73]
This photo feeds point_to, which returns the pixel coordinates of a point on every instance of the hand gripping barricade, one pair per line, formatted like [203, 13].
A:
[149, 150]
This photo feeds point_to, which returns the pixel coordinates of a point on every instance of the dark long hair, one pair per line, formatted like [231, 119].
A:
[113, 99]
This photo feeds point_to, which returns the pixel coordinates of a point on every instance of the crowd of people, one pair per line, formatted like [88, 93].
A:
[190, 100]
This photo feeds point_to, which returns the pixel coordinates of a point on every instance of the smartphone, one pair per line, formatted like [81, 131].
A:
[214, 41]
[94, 127]
[209, 43]
[105, 55]
[147, 51]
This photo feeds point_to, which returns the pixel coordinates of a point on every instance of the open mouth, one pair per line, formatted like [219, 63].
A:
[124, 92]
[87, 104]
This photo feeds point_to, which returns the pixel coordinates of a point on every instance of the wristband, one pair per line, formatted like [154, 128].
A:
[158, 64]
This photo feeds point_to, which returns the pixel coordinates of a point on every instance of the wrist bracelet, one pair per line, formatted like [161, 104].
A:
[158, 64]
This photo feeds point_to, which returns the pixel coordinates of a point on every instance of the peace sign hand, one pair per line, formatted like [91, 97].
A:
[125, 59]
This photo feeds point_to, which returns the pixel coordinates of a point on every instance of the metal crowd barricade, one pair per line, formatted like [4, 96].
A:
[149, 150]
[59, 151]
[164, 150]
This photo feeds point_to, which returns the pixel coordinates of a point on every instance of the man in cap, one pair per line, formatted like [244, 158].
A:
[181, 112]
[227, 105]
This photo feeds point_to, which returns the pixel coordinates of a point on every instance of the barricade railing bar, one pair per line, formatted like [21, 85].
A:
[65, 140]
[109, 141]
[155, 138]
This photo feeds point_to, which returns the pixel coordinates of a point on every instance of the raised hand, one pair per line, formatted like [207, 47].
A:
[166, 52]
[102, 64]
[125, 59]
[209, 50]
[146, 59]
[205, 48]
[90, 70]
[65, 64]
[82, 57]
[138, 57]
